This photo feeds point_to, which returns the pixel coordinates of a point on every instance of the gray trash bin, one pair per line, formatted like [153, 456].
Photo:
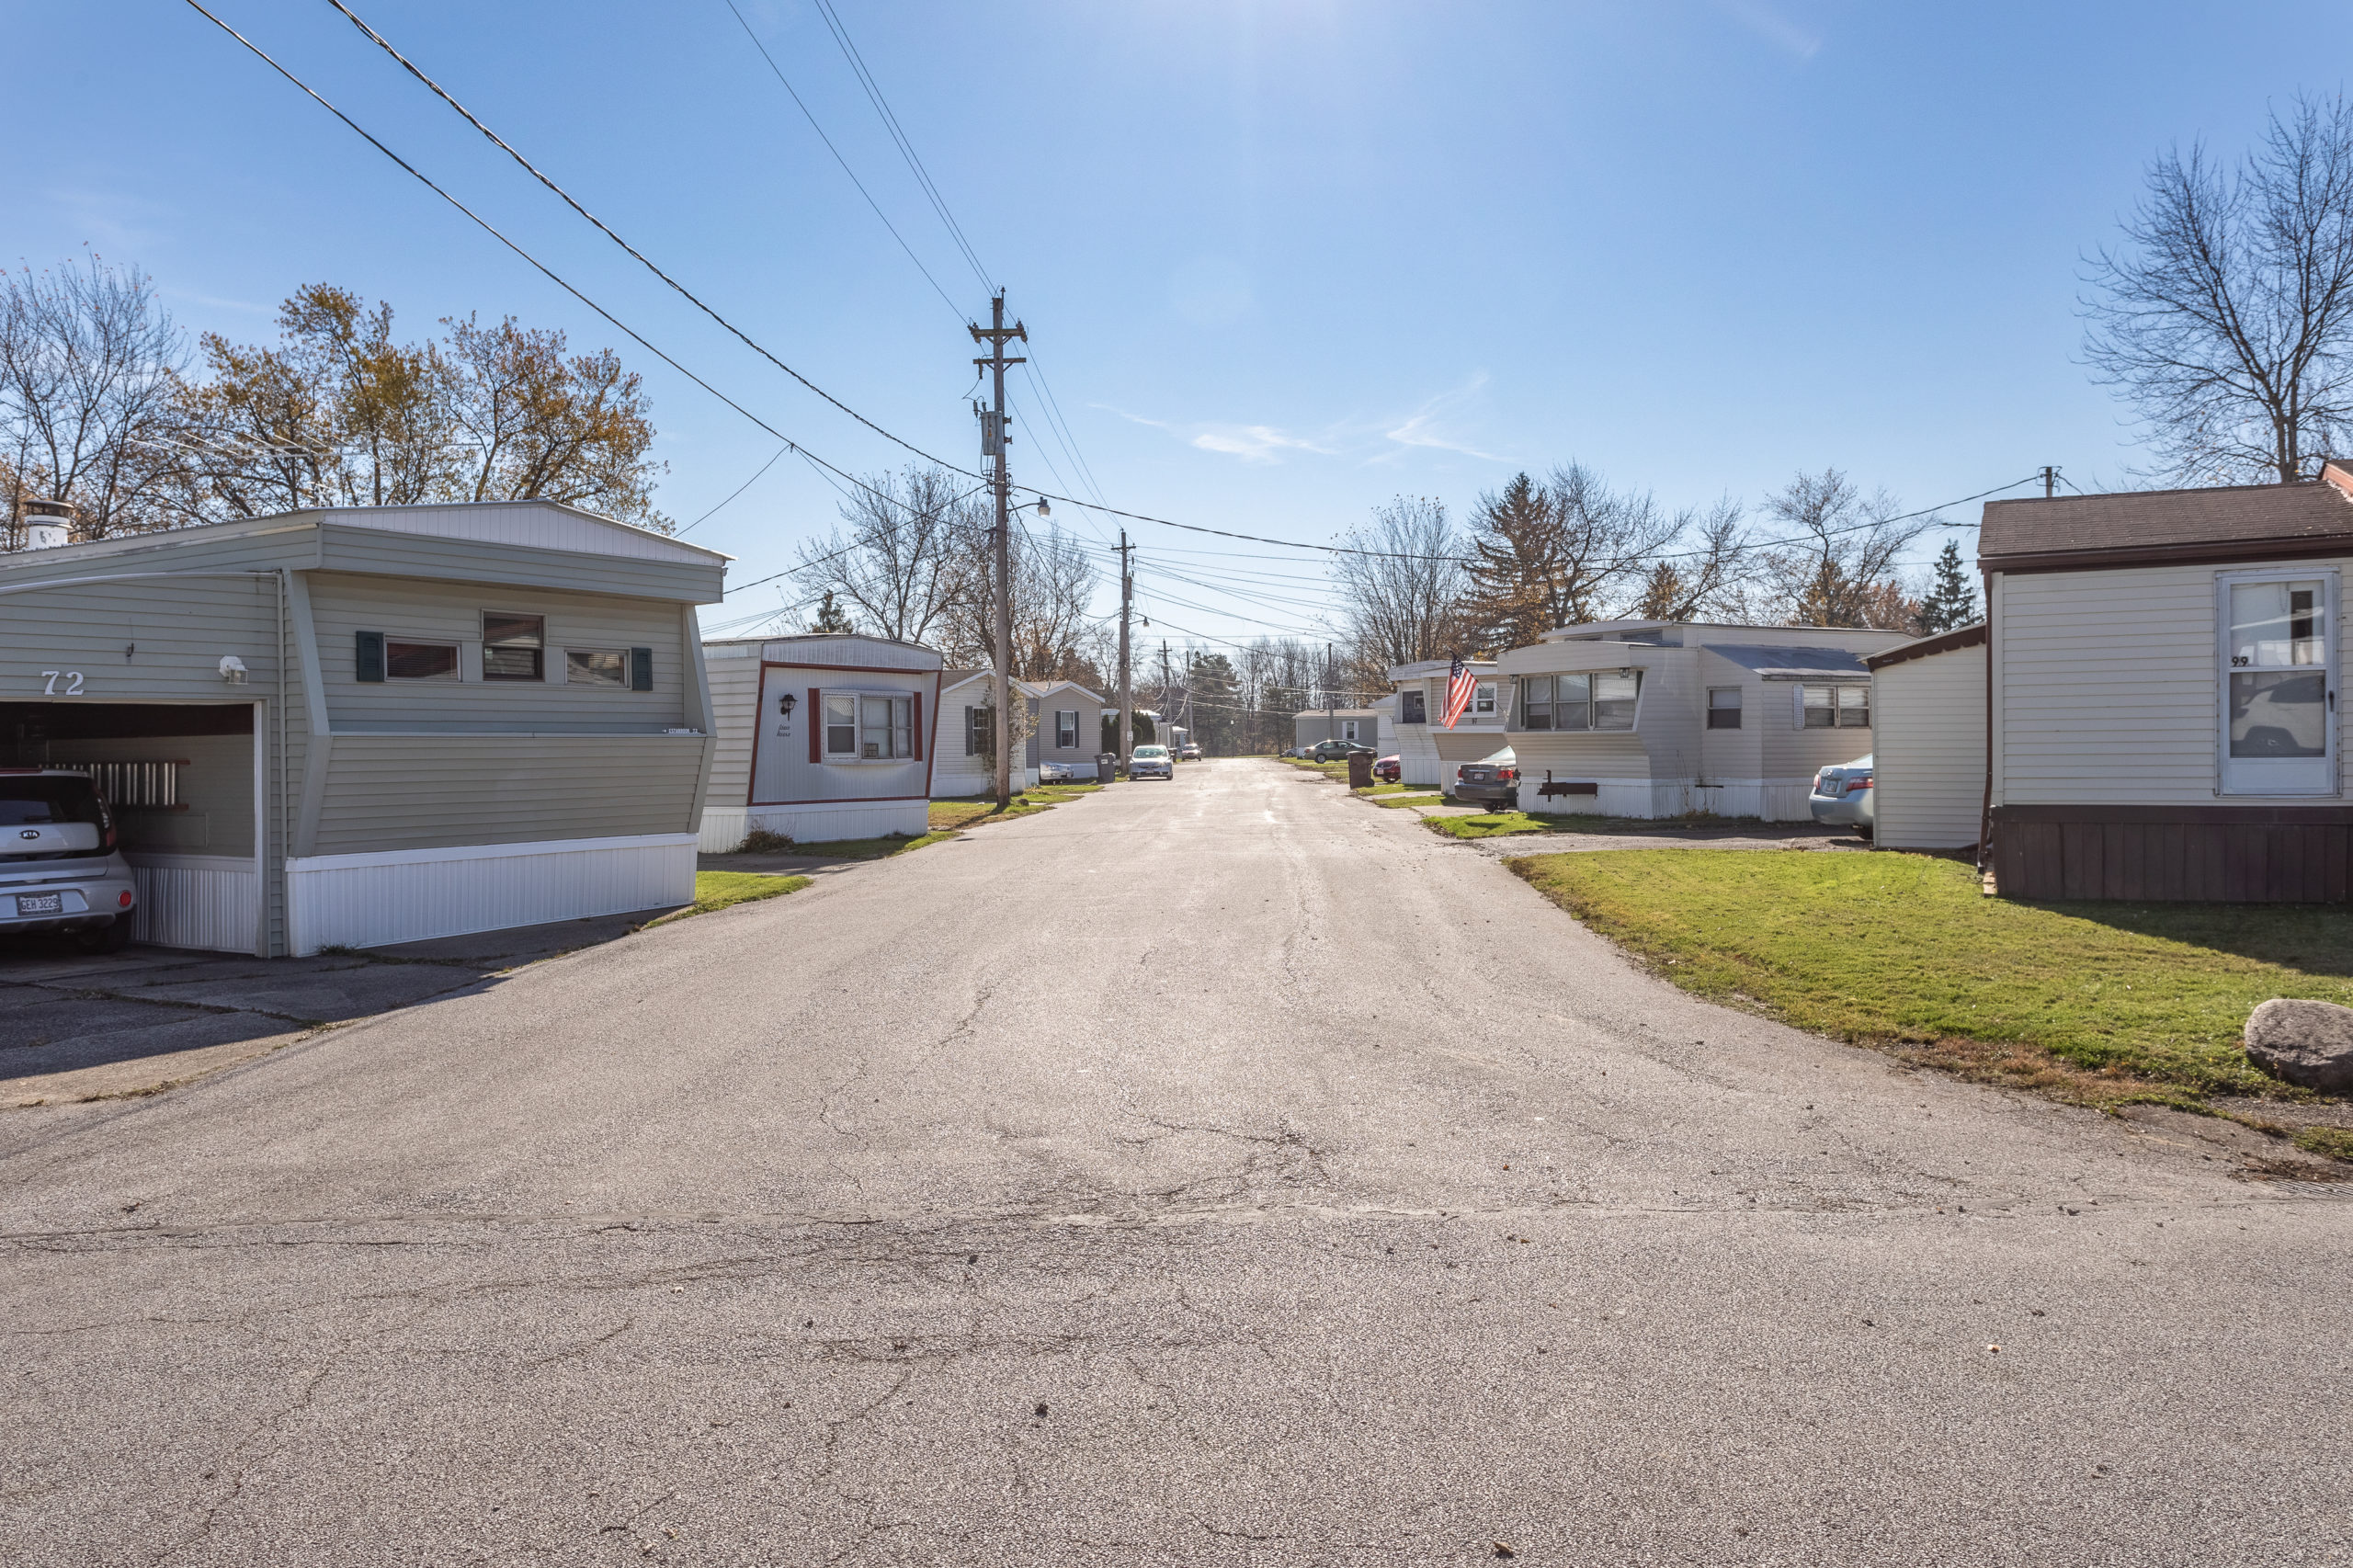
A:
[1106, 766]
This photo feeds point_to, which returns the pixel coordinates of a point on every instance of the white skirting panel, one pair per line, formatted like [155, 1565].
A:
[209, 901]
[407, 895]
[1771, 800]
[826, 820]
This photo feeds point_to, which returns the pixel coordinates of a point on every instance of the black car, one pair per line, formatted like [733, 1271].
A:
[1492, 783]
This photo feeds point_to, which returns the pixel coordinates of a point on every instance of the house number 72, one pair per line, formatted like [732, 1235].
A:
[72, 679]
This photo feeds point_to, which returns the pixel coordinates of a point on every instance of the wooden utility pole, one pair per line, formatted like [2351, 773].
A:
[2049, 482]
[1126, 685]
[993, 440]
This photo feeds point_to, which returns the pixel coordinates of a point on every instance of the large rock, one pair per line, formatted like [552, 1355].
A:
[2309, 1043]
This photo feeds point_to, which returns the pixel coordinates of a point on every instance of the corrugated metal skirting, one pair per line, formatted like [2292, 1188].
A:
[208, 901]
[368, 901]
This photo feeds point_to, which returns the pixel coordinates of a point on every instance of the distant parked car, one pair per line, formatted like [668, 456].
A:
[60, 868]
[1843, 797]
[1189, 752]
[1491, 781]
[1057, 772]
[1389, 769]
[1150, 762]
[1337, 751]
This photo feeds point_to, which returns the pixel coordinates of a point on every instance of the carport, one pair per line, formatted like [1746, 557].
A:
[184, 780]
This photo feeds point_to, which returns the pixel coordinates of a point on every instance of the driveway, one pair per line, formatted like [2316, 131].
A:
[1216, 1173]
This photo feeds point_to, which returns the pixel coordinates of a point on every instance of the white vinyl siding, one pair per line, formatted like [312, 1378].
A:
[1929, 754]
[2106, 687]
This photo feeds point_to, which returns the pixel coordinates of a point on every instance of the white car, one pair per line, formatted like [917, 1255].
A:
[1150, 762]
[61, 866]
[1843, 797]
[1056, 773]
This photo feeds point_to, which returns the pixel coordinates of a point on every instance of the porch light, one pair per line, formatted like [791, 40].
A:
[232, 669]
[784, 704]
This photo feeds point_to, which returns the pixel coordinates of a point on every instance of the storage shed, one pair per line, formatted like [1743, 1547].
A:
[822, 736]
[367, 725]
[2166, 668]
[1428, 752]
[1658, 718]
[1928, 762]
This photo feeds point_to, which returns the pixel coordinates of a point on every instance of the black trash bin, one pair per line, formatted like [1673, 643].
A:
[1359, 770]
[1106, 766]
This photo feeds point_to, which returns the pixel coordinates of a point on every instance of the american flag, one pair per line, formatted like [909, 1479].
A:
[1460, 686]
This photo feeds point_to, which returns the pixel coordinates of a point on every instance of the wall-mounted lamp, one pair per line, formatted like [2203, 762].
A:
[232, 669]
[784, 704]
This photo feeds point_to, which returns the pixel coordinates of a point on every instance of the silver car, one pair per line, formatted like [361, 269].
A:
[1842, 796]
[1150, 762]
[61, 864]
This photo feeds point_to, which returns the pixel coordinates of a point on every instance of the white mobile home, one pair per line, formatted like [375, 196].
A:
[1658, 718]
[968, 734]
[1929, 712]
[2166, 670]
[1428, 752]
[822, 736]
[365, 725]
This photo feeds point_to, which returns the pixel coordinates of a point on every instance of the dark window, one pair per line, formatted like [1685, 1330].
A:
[1413, 708]
[1065, 729]
[841, 725]
[1613, 700]
[640, 670]
[1854, 708]
[1536, 702]
[1821, 707]
[513, 647]
[980, 731]
[368, 656]
[1723, 708]
[420, 661]
[1571, 706]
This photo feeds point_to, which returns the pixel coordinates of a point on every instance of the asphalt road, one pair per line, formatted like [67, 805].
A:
[1215, 1172]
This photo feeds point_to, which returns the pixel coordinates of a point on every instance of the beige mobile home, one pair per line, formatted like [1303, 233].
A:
[373, 724]
[822, 736]
[968, 736]
[1066, 725]
[1928, 764]
[1658, 718]
[1428, 752]
[2166, 668]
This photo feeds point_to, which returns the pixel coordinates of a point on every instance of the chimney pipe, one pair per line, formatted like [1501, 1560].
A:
[48, 524]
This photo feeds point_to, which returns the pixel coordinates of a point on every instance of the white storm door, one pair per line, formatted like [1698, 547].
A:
[2278, 682]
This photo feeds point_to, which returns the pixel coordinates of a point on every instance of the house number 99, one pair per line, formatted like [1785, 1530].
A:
[72, 679]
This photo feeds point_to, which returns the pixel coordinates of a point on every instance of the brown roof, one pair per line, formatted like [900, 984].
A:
[2159, 525]
[1942, 642]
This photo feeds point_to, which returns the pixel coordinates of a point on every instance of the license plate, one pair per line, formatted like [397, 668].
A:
[29, 904]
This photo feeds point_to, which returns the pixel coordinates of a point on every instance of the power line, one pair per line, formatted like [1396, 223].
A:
[544, 270]
[844, 163]
[737, 491]
[681, 288]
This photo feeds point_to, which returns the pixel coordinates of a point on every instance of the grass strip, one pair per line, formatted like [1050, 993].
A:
[1392, 802]
[1494, 825]
[717, 890]
[2101, 1004]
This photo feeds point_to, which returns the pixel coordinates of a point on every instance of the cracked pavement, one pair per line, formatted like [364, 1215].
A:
[1382, 1215]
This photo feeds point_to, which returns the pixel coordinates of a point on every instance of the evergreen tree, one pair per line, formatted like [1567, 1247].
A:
[1952, 599]
[1514, 573]
[830, 617]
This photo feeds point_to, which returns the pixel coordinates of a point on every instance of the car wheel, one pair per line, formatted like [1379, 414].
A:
[109, 939]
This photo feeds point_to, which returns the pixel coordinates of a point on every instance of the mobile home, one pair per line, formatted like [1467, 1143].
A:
[1660, 719]
[2165, 668]
[366, 725]
[1428, 752]
[822, 736]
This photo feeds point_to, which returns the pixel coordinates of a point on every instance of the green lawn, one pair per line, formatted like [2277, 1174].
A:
[1500, 823]
[1494, 825]
[2095, 1002]
[1394, 802]
[717, 890]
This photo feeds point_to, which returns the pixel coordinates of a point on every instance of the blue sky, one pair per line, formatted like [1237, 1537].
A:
[1280, 260]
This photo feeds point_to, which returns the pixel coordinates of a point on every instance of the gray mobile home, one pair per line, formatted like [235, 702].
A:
[362, 725]
[1657, 718]
[1429, 752]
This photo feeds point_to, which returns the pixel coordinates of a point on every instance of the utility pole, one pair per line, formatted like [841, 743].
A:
[1331, 726]
[1165, 686]
[1127, 726]
[993, 440]
[2049, 482]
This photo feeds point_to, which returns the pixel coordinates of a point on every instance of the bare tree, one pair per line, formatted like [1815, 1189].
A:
[1840, 566]
[88, 361]
[1706, 573]
[1056, 635]
[2226, 321]
[549, 427]
[1402, 603]
[905, 561]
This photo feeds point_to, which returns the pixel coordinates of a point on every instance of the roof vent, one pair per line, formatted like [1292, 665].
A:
[48, 524]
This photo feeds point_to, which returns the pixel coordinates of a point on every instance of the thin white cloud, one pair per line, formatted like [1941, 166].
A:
[1430, 426]
[1254, 443]
[1772, 26]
